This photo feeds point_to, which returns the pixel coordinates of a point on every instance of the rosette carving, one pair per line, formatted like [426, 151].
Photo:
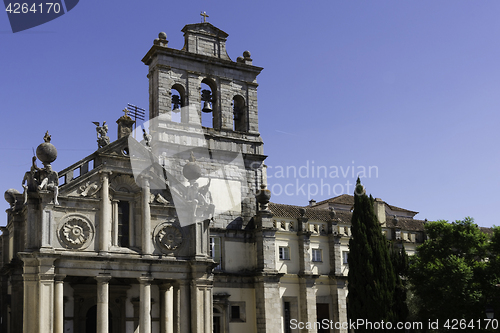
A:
[76, 233]
[169, 237]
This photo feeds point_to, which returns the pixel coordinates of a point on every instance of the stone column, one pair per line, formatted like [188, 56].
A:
[146, 218]
[167, 308]
[105, 217]
[103, 303]
[145, 304]
[59, 304]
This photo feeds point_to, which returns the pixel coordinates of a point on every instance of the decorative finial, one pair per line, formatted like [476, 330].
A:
[162, 35]
[191, 158]
[205, 15]
[302, 212]
[47, 137]
[126, 111]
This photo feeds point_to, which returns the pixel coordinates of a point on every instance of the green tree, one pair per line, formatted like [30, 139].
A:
[449, 272]
[399, 260]
[371, 278]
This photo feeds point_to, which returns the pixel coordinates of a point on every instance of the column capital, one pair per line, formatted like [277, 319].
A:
[145, 279]
[59, 277]
[166, 285]
[103, 278]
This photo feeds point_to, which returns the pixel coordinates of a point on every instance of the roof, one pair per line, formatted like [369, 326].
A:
[320, 214]
[289, 211]
[347, 199]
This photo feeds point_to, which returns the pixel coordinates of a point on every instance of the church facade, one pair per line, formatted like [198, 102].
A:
[174, 232]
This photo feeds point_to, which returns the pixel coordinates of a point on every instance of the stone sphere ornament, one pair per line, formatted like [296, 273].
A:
[162, 35]
[10, 196]
[46, 152]
[191, 170]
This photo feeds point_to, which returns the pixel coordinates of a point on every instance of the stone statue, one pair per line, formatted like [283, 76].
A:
[30, 181]
[49, 181]
[147, 138]
[102, 134]
[200, 198]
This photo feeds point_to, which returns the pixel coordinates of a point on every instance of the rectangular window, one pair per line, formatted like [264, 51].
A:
[237, 312]
[316, 255]
[123, 224]
[345, 257]
[287, 317]
[215, 251]
[284, 253]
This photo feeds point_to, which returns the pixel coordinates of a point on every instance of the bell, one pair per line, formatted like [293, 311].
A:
[176, 108]
[206, 107]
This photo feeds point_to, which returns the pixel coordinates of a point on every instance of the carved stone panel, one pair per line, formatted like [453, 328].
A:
[76, 232]
[168, 237]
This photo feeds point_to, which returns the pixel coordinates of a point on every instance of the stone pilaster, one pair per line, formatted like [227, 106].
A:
[145, 304]
[105, 216]
[146, 218]
[45, 294]
[30, 306]
[338, 291]
[46, 219]
[265, 239]
[183, 309]
[267, 296]
[103, 303]
[335, 254]
[307, 302]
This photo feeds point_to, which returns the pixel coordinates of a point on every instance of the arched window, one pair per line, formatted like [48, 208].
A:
[178, 101]
[208, 103]
[239, 114]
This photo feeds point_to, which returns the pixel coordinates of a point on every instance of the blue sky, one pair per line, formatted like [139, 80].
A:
[409, 88]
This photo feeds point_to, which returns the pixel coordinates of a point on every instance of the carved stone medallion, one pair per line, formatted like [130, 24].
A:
[168, 237]
[76, 233]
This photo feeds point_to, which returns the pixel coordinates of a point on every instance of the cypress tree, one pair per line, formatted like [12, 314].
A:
[371, 279]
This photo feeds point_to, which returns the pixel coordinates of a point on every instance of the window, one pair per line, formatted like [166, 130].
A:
[237, 311]
[123, 224]
[316, 255]
[287, 317]
[284, 253]
[239, 123]
[345, 257]
[215, 251]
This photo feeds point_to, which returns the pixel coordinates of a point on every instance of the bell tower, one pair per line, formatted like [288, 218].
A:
[200, 81]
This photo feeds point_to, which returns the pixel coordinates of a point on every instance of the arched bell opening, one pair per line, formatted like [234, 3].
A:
[178, 95]
[209, 109]
[239, 114]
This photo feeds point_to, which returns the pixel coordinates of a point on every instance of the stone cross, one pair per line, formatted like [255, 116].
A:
[126, 111]
[205, 15]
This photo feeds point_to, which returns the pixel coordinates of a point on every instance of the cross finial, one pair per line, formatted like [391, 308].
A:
[205, 15]
[126, 111]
